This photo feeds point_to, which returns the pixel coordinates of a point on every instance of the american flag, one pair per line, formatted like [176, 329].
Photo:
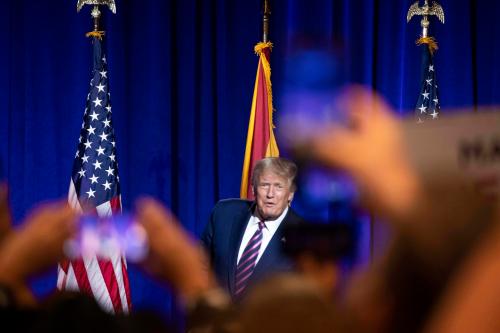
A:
[95, 188]
[427, 106]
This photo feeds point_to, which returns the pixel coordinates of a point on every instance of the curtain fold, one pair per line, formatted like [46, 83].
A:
[182, 75]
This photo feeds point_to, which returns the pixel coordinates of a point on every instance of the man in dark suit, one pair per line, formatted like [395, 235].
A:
[244, 238]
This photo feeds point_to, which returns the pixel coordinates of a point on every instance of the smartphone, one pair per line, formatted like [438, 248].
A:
[106, 237]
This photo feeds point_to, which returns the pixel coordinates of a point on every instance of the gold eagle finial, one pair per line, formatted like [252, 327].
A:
[425, 11]
[110, 3]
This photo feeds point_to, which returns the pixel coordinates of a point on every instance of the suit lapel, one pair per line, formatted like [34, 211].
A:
[238, 228]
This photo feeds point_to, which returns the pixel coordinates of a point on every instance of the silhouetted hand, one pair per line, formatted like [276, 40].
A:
[172, 255]
[5, 216]
[371, 149]
[37, 245]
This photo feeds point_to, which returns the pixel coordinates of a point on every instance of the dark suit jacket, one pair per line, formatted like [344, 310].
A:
[222, 238]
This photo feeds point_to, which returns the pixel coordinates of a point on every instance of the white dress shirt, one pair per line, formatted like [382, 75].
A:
[267, 233]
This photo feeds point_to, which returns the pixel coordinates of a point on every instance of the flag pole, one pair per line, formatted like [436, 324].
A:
[425, 11]
[96, 13]
[265, 21]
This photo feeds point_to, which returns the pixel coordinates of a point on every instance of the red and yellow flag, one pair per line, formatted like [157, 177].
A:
[260, 138]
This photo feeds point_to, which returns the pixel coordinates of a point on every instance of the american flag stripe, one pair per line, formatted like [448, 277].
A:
[126, 285]
[116, 204]
[113, 273]
[119, 270]
[62, 273]
[73, 198]
[81, 277]
[67, 278]
[107, 270]
[98, 284]
[104, 209]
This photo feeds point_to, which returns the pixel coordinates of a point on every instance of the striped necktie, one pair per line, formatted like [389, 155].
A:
[248, 260]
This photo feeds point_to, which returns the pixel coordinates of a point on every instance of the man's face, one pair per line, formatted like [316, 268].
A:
[272, 195]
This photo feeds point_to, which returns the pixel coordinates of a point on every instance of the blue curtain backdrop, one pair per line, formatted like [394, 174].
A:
[181, 77]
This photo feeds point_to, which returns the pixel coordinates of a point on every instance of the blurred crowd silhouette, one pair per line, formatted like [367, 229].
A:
[439, 274]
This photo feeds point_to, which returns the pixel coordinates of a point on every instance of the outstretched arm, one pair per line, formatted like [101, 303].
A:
[35, 247]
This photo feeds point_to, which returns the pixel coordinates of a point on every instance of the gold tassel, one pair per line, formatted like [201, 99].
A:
[97, 34]
[431, 43]
[261, 46]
